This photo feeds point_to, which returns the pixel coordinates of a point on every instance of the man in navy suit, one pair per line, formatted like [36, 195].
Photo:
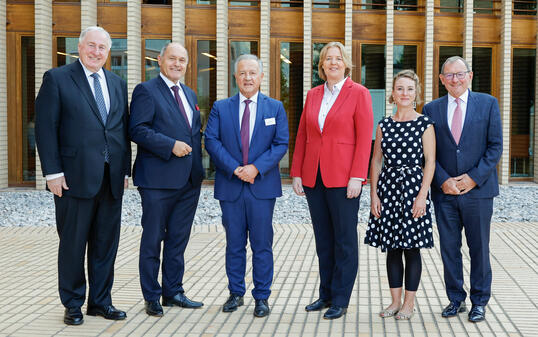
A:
[165, 123]
[469, 146]
[246, 136]
[83, 144]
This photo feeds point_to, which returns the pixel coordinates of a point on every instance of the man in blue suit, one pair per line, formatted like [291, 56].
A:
[469, 146]
[246, 136]
[165, 123]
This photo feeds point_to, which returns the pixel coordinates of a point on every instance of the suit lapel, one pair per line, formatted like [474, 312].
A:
[195, 113]
[167, 94]
[80, 80]
[469, 114]
[112, 94]
[316, 105]
[342, 96]
[233, 109]
[443, 110]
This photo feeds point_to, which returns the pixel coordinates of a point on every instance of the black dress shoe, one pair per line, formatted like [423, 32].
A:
[180, 300]
[73, 316]
[453, 309]
[318, 304]
[261, 309]
[153, 308]
[232, 303]
[335, 312]
[477, 313]
[108, 312]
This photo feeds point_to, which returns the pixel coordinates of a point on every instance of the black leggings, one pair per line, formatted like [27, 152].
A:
[413, 268]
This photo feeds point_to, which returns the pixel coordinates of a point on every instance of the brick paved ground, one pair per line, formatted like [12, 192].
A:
[30, 305]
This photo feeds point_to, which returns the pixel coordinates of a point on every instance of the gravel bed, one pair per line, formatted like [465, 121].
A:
[516, 203]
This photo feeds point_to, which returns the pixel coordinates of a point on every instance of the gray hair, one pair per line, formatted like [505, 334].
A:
[163, 49]
[248, 57]
[95, 29]
[453, 59]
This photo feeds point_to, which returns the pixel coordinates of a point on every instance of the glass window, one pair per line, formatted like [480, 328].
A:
[206, 2]
[66, 50]
[291, 93]
[405, 57]
[452, 6]
[28, 114]
[524, 7]
[483, 7]
[291, 3]
[206, 81]
[316, 49]
[118, 57]
[151, 64]
[522, 114]
[157, 2]
[444, 53]
[373, 4]
[405, 5]
[482, 69]
[373, 66]
[326, 3]
[238, 48]
[244, 3]
[373, 77]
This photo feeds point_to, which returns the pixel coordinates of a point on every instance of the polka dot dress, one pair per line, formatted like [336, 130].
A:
[399, 183]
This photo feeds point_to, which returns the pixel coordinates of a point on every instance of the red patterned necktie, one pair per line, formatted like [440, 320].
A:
[175, 88]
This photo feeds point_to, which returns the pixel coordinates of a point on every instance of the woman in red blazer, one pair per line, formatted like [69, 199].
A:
[330, 165]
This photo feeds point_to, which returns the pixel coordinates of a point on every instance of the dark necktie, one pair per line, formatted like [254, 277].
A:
[175, 88]
[245, 132]
[100, 100]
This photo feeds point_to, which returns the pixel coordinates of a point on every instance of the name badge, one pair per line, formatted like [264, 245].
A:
[270, 121]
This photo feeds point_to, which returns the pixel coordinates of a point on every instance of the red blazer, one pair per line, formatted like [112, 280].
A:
[343, 149]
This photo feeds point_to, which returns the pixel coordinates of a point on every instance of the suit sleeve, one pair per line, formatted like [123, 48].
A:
[213, 144]
[482, 171]
[47, 108]
[439, 175]
[270, 158]
[140, 125]
[300, 143]
[364, 123]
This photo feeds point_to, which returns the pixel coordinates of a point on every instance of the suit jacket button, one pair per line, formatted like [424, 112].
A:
[457, 151]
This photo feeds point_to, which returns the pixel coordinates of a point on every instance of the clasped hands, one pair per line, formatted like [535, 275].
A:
[246, 173]
[458, 185]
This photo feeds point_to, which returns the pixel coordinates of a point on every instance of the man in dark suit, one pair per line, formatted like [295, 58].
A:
[246, 136]
[165, 123]
[469, 146]
[83, 144]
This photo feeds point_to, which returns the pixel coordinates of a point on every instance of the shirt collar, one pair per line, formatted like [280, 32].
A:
[169, 83]
[337, 87]
[464, 97]
[89, 73]
[254, 97]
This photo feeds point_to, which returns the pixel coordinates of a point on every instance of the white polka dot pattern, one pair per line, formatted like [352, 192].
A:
[399, 183]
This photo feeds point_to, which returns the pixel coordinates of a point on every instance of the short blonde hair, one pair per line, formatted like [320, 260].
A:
[410, 74]
[345, 58]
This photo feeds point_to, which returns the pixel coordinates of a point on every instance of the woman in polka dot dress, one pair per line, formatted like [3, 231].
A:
[400, 220]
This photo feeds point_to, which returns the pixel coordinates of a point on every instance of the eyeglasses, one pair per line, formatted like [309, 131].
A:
[460, 75]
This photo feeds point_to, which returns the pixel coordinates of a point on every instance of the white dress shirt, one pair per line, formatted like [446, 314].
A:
[252, 107]
[452, 107]
[186, 104]
[328, 101]
[106, 96]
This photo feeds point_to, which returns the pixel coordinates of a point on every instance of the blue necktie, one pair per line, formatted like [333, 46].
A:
[100, 100]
